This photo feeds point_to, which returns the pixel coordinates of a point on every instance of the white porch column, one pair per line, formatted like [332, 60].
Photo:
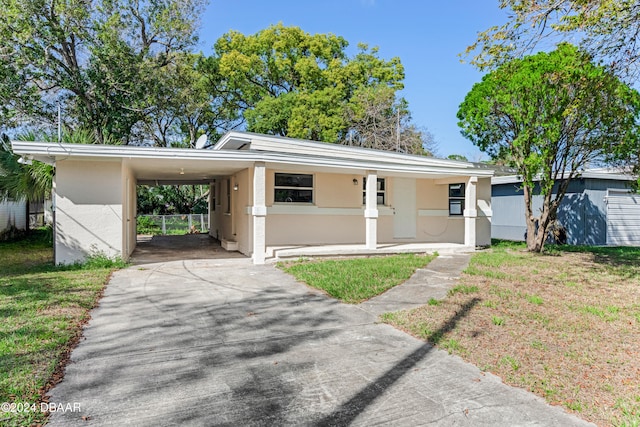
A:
[470, 212]
[259, 212]
[371, 210]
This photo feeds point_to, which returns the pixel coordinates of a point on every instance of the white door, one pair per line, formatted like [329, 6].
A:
[404, 203]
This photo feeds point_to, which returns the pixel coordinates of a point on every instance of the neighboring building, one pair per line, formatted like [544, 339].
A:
[12, 215]
[598, 209]
[269, 191]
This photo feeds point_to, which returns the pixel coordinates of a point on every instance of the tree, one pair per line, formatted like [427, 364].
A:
[608, 29]
[186, 102]
[172, 199]
[22, 181]
[287, 82]
[551, 115]
[377, 119]
[98, 59]
[457, 157]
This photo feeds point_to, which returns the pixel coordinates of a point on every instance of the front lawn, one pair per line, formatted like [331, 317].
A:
[357, 279]
[565, 325]
[43, 309]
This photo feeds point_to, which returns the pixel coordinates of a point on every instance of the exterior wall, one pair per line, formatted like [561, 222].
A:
[220, 218]
[88, 209]
[129, 211]
[13, 214]
[582, 211]
[232, 222]
[240, 214]
[485, 213]
[337, 215]
[434, 222]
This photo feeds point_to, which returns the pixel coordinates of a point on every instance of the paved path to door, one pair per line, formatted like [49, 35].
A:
[224, 342]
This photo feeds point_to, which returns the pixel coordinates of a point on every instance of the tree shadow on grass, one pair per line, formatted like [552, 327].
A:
[349, 411]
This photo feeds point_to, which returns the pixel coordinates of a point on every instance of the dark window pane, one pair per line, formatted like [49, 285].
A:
[456, 190]
[293, 196]
[293, 180]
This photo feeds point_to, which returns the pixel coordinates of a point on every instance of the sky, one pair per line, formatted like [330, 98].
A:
[427, 36]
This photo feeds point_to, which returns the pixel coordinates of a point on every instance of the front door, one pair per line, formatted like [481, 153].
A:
[404, 203]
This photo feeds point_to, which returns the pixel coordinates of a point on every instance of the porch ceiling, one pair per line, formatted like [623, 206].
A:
[182, 171]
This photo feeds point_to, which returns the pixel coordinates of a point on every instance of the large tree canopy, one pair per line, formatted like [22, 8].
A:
[608, 29]
[287, 82]
[551, 115]
[100, 59]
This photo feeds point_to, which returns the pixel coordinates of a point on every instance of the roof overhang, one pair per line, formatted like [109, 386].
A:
[237, 151]
[607, 174]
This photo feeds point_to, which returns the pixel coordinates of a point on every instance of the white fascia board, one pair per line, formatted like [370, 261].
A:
[49, 152]
[340, 163]
[276, 144]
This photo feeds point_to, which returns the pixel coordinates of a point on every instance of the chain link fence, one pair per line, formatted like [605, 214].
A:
[172, 224]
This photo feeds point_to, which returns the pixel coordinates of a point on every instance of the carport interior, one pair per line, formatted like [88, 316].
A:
[159, 172]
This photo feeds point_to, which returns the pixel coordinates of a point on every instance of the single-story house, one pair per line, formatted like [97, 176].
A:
[598, 209]
[268, 191]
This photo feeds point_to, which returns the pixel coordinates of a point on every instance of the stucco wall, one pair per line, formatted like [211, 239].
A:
[88, 209]
[485, 212]
[434, 223]
[337, 215]
[129, 210]
[240, 216]
[221, 224]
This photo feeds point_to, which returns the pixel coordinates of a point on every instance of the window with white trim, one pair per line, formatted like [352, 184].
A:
[456, 199]
[380, 194]
[293, 188]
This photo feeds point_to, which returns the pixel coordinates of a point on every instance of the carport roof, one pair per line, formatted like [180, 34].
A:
[239, 150]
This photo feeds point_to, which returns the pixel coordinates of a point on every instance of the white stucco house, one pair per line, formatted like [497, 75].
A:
[268, 191]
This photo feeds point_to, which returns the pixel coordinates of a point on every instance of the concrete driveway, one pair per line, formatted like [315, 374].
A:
[224, 342]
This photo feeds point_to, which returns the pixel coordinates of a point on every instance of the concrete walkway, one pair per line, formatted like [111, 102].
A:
[224, 342]
[433, 281]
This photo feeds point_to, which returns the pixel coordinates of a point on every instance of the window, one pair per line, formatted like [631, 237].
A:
[381, 191]
[456, 199]
[293, 188]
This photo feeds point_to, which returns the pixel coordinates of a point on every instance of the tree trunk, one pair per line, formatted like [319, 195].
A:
[537, 227]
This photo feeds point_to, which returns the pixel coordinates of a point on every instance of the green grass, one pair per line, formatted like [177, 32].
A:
[462, 289]
[357, 279]
[43, 308]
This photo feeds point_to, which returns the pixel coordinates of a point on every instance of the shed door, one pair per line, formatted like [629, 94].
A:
[404, 202]
[623, 219]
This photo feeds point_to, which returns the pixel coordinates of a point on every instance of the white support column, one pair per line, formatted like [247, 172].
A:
[371, 210]
[259, 212]
[470, 212]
